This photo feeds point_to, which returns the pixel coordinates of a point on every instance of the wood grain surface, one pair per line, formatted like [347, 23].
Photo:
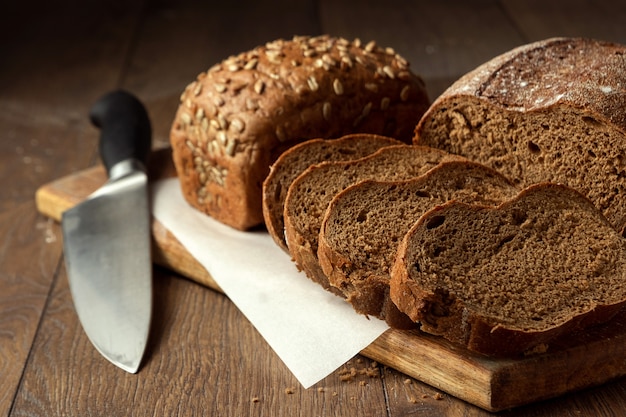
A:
[587, 359]
[204, 358]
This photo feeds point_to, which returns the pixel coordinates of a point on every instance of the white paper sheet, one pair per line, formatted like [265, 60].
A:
[313, 331]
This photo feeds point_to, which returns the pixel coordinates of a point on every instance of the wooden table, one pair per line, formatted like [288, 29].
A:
[204, 357]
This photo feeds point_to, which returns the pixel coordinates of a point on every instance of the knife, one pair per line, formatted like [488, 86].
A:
[106, 238]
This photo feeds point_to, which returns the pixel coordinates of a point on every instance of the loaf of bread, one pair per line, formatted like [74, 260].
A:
[298, 158]
[552, 111]
[509, 279]
[236, 118]
[310, 193]
[365, 223]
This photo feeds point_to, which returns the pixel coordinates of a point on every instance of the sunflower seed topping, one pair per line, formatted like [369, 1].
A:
[404, 94]
[373, 87]
[237, 125]
[252, 104]
[250, 65]
[346, 60]
[280, 134]
[222, 121]
[312, 82]
[259, 86]
[367, 109]
[338, 87]
[389, 72]
[230, 148]
[326, 110]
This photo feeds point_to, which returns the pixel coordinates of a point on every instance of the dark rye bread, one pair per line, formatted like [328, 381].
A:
[510, 279]
[365, 223]
[310, 193]
[237, 117]
[548, 111]
[295, 160]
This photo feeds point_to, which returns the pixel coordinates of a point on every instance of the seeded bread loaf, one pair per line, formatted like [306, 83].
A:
[310, 193]
[298, 158]
[510, 279]
[236, 118]
[364, 224]
[548, 111]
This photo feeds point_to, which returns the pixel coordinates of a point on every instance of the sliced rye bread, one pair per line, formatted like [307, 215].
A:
[298, 158]
[365, 223]
[309, 195]
[548, 111]
[507, 280]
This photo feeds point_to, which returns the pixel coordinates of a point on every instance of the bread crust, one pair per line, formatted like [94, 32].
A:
[443, 313]
[236, 118]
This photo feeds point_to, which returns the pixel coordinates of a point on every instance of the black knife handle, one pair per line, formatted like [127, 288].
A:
[125, 128]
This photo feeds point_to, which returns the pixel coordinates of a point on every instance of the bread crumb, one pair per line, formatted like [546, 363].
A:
[321, 389]
[255, 399]
[536, 350]
[407, 381]
[289, 390]
[412, 400]
[335, 393]
[349, 373]
[363, 383]
[437, 396]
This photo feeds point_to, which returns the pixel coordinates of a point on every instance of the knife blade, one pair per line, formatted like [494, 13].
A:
[106, 238]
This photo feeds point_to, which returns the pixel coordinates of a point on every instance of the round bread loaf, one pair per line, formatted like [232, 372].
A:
[552, 110]
[236, 118]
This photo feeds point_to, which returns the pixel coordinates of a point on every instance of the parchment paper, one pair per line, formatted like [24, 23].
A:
[313, 331]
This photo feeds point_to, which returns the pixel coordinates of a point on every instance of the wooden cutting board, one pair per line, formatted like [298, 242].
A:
[582, 361]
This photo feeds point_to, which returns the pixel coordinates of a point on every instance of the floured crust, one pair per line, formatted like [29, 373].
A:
[578, 72]
[238, 116]
[561, 267]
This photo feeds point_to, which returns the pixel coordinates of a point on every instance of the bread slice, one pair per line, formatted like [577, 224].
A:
[298, 158]
[365, 223]
[309, 195]
[510, 279]
[548, 111]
